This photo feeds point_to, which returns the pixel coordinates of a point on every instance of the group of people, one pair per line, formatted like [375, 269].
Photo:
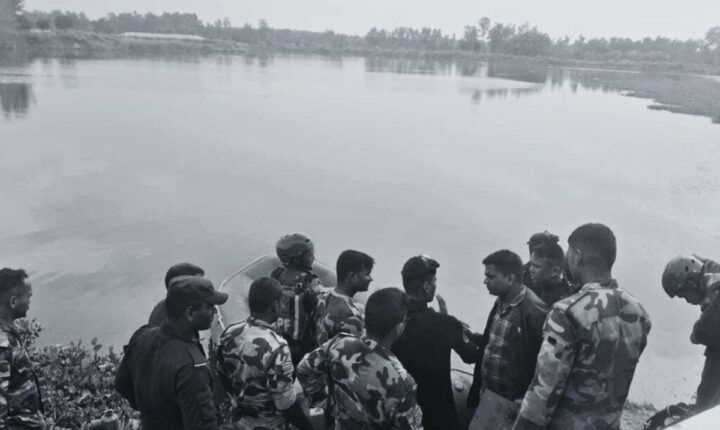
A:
[559, 349]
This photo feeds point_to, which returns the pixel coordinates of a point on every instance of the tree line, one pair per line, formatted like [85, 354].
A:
[484, 37]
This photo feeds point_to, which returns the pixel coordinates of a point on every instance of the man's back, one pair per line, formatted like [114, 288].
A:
[336, 313]
[424, 350]
[256, 364]
[371, 389]
[592, 343]
[166, 378]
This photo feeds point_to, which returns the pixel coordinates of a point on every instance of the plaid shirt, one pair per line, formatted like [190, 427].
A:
[497, 370]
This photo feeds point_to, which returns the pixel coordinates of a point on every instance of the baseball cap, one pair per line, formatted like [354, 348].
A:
[420, 265]
[191, 288]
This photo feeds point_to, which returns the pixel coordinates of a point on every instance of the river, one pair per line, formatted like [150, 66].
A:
[112, 170]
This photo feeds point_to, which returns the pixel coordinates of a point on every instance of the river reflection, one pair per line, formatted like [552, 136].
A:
[15, 99]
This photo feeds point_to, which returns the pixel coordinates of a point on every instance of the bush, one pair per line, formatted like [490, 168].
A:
[76, 382]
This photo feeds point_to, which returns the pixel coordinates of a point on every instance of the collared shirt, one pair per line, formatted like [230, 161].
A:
[497, 370]
[592, 343]
[20, 402]
[336, 313]
[371, 390]
[424, 350]
[256, 361]
[165, 376]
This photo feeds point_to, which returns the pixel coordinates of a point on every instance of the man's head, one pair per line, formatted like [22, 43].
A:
[503, 272]
[385, 314]
[353, 269]
[193, 299]
[546, 263]
[296, 250]
[419, 275]
[15, 293]
[264, 298]
[542, 238]
[682, 278]
[591, 249]
[182, 269]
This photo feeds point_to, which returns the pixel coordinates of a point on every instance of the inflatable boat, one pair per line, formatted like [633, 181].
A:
[236, 309]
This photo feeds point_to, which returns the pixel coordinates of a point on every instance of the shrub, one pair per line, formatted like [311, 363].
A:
[76, 382]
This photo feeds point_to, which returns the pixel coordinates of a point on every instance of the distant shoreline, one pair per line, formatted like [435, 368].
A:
[74, 43]
[694, 95]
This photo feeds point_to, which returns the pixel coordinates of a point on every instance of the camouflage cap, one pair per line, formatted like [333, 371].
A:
[193, 287]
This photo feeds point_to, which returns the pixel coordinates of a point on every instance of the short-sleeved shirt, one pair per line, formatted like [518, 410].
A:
[370, 388]
[20, 402]
[424, 350]
[592, 342]
[337, 313]
[256, 361]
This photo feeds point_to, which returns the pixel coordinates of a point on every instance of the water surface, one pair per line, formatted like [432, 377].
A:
[112, 170]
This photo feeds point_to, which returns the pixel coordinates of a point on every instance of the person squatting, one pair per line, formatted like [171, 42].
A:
[558, 351]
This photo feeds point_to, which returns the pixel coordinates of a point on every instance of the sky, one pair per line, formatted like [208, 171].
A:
[688, 19]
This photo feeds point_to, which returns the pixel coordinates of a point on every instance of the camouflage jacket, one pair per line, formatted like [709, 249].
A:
[585, 367]
[337, 313]
[20, 402]
[370, 388]
[255, 361]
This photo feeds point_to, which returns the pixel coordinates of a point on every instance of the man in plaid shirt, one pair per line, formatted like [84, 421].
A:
[511, 343]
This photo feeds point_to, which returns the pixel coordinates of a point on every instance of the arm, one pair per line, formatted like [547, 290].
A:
[195, 398]
[706, 330]
[5, 362]
[460, 337]
[408, 415]
[123, 379]
[312, 372]
[280, 385]
[554, 363]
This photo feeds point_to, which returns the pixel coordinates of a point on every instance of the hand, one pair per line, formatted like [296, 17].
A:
[442, 304]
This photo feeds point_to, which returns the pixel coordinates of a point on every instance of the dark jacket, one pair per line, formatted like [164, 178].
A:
[530, 317]
[166, 378]
[424, 351]
[158, 314]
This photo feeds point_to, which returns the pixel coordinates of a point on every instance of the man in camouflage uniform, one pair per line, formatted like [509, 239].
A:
[592, 343]
[369, 388]
[697, 280]
[336, 310]
[256, 368]
[296, 323]
[20, 402]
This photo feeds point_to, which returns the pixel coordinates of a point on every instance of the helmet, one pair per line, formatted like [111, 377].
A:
[292, 246]
[678, 271]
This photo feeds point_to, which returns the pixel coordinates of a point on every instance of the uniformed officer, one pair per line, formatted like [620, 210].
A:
[296, 319]
[20, 402]
[369, 387]
[255, 365]
[697, 280]
[592, 342]
[164, 373]
[336, 310]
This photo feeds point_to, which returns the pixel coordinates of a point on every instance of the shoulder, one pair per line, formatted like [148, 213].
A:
[533, 303]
